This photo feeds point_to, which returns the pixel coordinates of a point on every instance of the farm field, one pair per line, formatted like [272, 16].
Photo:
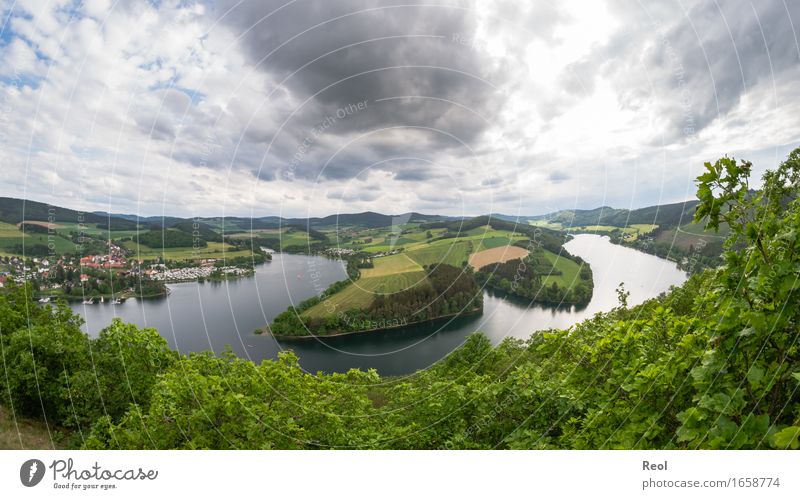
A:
[214, 250]
[288, 237]
[569, 271]
[11, 237]
[92, 230]
[450, 251]
[391, 274]
[500, 254]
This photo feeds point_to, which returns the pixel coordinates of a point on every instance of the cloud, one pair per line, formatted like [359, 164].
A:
[694, 65]
[317, 106]
[366, 67]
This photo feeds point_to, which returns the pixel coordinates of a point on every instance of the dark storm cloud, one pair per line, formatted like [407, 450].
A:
[381, 51]
[695, 64]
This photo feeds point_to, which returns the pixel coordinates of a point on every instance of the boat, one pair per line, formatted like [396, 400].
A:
[46, 299]
[117, 302]
[88, 302]
[102, 299]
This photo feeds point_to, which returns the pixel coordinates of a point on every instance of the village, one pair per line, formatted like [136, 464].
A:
[112, 275]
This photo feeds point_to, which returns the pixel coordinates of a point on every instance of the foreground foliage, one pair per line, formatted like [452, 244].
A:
[712, 364]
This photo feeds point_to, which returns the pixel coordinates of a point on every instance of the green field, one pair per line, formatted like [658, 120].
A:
[569, 271]
[393, 264]
[288, 237]
[11, 236]
[450, 251]
[361, 293]
[382, 241]
[214, 250]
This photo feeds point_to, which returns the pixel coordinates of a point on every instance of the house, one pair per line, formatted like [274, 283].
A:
[2, 281]
[84, 278]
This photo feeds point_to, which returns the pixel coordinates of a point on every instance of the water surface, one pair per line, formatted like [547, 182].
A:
[213, 315]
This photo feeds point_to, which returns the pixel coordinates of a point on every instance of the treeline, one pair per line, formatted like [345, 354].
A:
[524, 278]
[32, 228]
[447, 291]
[198, 230]
[170, 238]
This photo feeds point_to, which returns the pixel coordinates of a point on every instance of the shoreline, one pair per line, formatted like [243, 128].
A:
[283, 337]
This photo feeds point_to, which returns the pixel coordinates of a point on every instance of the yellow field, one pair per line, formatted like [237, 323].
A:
[500, 254]
[8, 230]
[393, 264]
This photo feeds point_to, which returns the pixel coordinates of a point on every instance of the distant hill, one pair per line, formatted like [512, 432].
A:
[14, 211]
[368, 219]
[665, 216]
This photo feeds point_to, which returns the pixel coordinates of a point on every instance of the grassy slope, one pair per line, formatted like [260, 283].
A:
[214, 250]
[24, 433]
[390, 275]
[287, 237]
[569, 271]
[10, 236]
[450, 251]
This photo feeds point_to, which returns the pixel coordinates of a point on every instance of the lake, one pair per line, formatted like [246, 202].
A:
[213, 315]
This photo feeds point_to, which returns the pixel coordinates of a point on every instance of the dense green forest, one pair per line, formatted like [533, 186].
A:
[712, 364]
[170, 238]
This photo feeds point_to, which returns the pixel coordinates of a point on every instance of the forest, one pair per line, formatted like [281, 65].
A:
[713, 364]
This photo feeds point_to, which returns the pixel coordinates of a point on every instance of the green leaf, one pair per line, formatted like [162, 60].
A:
[755, 375]
[787, 438]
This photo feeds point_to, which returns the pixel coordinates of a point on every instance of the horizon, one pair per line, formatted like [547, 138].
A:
[474, 215]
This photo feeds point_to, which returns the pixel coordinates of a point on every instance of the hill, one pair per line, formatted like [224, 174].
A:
[14, 211]
[665, 216]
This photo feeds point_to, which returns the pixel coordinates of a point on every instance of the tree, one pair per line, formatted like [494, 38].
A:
[751, 367]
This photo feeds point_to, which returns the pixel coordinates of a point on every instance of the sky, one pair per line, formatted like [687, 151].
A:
[315, 107]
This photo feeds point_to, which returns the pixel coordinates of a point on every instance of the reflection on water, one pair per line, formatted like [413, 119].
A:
[213, 315]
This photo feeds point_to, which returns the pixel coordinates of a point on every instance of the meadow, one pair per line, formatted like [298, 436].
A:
[11, 238]
[213, 250]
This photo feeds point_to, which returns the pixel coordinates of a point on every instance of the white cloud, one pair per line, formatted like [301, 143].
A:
[170, 109]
